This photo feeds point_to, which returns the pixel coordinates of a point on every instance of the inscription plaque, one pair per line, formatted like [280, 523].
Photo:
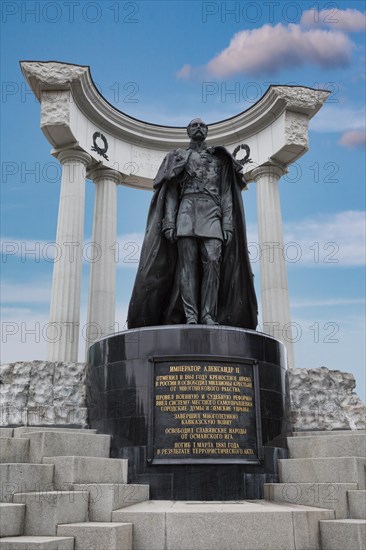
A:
[204, 409]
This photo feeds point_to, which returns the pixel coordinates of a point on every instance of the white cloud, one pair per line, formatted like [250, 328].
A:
[271, 48]
[350, 20]
[213, 110]
[311, 239]
[25, 293]
[336, 240]
[326, 240]
[24, 331]
[333, 302]
[7, 312]
[336, 341]
[185, 71]
[334, 118]
[28, 250]
[129, 249]
[353, 139]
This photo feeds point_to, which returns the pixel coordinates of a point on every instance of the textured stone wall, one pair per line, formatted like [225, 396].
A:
[323, 399]
[40, 393]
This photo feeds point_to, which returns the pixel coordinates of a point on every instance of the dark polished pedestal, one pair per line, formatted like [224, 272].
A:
[119, 396]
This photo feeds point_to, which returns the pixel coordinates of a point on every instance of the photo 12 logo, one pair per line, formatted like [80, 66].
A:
[266, 12]
[250, 92]
[70, 12]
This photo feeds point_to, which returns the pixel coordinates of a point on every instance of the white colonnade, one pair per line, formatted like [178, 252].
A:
[91, 137]
[102, 287]
[63, 337]
[64, 326]
[274, 288]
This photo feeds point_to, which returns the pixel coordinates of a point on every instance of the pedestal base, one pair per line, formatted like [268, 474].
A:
[122, 390]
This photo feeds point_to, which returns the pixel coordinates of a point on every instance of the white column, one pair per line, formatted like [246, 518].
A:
[274, 287]
[63, 330]
[102, 289]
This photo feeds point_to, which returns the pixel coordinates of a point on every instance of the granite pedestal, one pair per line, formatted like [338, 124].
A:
[122, 397]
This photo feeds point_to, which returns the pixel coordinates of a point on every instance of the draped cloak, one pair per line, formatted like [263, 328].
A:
[155, 297]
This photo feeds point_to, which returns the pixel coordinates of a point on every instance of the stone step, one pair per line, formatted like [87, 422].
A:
[327, 446]
[14, 449]
[30, 429]
[86, 469]
[6, 432]
[104, 498]
[331, 496]
[323, 470]
[37, 543]
[241, 525]
[44, 511]
[357, 504]
[343, 534]
[65, 444]
[12, 519]
[98, 535]
[23, 478]
[328, 432]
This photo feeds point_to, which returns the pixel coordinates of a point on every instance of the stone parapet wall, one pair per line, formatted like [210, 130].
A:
[42, 393]
[323, 399]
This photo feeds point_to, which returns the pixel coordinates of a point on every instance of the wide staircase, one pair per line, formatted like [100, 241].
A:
[58, 491]
[61, 491]
[327, 470]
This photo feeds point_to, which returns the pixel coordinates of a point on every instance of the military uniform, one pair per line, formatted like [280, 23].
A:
[199, 208]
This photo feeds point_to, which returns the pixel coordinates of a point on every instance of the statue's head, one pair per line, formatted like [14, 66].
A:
[197, 129]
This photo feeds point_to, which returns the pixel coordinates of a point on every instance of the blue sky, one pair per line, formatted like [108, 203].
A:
[155, 61]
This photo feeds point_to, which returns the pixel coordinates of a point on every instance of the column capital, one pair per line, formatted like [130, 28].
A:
[101, 174]
[270, 170]
[73, 156]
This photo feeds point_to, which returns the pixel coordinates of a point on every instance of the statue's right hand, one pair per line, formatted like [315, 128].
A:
[171, 235]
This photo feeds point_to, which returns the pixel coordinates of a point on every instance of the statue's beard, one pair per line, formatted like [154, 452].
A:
[198, 136]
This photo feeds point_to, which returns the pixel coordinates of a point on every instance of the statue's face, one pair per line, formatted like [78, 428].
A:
[197, 130]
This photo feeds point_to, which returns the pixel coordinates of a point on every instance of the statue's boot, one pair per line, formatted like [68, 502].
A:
[189, 293]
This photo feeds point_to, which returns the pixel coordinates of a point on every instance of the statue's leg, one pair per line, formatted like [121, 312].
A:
[188, 277]
[210, 257]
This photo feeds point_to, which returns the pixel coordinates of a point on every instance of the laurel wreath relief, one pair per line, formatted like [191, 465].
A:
[100, 150]
[246, 159]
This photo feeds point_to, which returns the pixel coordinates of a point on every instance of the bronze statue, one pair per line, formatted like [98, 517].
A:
[194, 265]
